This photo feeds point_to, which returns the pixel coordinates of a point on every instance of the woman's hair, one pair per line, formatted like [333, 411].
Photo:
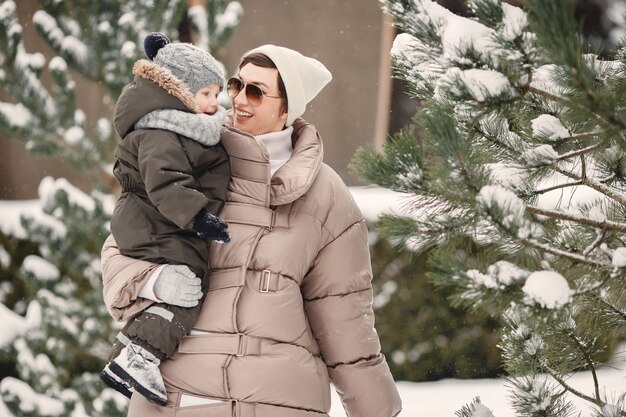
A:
[261, 60]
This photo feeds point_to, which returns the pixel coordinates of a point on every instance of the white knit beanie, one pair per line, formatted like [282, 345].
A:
[304, 77]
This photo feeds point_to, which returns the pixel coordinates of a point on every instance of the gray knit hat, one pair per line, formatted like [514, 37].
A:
[190, 64]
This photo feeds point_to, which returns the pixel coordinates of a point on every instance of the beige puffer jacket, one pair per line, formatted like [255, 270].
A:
[289, 302]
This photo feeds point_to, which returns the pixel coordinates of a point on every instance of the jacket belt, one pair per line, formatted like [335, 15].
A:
[141, 407]
[241, 409]
[264, 281]
[226, 278]
[238, 344]
[234, 408]
[248, 214]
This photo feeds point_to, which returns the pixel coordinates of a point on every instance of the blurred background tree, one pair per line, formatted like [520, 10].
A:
[422, 336]
[56, 328]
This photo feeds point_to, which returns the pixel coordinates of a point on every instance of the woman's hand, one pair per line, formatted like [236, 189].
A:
[178, 285]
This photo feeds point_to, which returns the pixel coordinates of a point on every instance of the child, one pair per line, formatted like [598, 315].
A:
[174, 174]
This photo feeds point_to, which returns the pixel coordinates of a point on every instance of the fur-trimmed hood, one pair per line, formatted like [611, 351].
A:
[154, 88]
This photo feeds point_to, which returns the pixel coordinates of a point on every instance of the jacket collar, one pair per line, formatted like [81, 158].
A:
[296, 176]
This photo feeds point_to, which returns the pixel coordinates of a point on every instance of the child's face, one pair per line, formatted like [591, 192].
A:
[206, 98]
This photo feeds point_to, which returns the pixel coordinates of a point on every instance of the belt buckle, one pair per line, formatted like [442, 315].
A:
[241, 348]
[273, 220]
[266, 274]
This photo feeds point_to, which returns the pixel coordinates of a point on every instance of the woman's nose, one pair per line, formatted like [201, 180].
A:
[241, 99]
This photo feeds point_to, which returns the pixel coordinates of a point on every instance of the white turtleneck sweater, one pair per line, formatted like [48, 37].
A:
[278, 145]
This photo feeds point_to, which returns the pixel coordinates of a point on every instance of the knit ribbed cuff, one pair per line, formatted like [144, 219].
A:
[147, 291]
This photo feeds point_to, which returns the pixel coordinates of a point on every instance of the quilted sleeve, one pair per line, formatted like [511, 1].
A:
[122, 278]
[338, 301]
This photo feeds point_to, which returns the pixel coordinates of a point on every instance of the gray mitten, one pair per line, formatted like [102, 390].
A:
[177, 285]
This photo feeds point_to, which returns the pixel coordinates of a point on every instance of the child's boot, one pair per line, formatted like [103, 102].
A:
[140, 369]
[115, 382]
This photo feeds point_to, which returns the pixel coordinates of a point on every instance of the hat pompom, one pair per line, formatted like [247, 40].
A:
[153, 42]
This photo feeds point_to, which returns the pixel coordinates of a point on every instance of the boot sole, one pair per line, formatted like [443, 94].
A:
[116, 385]
[120, 372]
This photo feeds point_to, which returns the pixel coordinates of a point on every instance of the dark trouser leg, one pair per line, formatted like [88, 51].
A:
[121, 340]
[160, 327]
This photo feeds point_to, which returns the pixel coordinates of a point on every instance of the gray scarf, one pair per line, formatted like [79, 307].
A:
[202, 128]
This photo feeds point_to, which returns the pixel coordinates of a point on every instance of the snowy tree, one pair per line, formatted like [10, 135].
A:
[518, 180]
[55, 328]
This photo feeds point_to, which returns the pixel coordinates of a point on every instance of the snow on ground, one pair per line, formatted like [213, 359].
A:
[443, 398]
[374, 201]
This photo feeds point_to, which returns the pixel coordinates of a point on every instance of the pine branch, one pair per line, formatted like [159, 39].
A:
[574, 104]
[595, 243]
[619, 312]
[598, 186]
[466, 173]
[558, 31]
[554, 374]
[555, 187]
[579, 136]
[494, 138]
[593, 289]
[607, 179]
[575, 257]
[611, 118]
[604, 225]
[590, 363]
[79, 55]
[474, 409]
[567, 255]
[583, 166]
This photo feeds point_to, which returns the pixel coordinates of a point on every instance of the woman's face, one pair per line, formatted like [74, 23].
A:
[267, 116]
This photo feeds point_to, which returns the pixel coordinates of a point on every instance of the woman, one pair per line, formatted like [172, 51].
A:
[290, 298]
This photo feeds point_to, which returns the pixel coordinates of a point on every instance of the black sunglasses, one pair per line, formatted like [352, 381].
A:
[254, 94]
